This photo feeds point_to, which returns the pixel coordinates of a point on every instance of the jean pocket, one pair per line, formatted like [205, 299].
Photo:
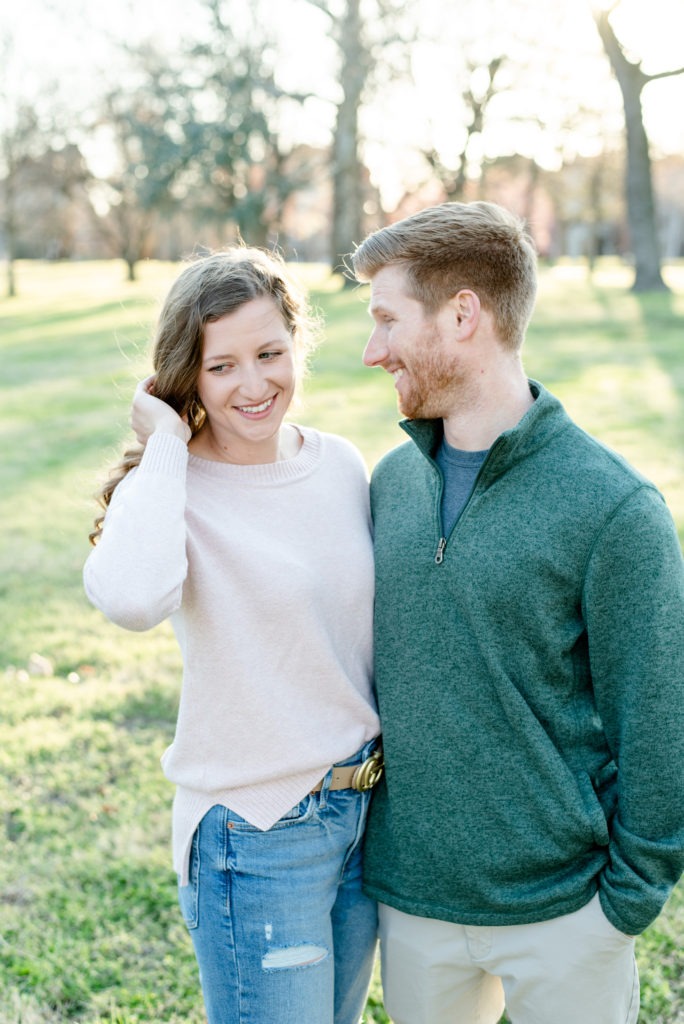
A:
[297, 815]
[188, 895]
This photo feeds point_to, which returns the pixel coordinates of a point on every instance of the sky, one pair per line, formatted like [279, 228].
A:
[68, 43]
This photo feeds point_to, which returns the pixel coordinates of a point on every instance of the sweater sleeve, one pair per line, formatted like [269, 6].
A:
[135, 573]
[634, 610]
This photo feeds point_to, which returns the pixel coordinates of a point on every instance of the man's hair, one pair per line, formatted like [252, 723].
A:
[443, 249]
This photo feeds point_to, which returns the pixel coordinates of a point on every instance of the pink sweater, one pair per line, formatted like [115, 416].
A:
[266, 572]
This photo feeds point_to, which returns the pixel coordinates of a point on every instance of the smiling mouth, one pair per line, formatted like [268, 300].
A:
[255, 410]
[397, 374]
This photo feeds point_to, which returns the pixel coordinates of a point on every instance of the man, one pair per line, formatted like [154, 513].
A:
[529, 657]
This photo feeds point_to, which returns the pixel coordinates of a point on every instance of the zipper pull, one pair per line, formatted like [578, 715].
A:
[439, 554]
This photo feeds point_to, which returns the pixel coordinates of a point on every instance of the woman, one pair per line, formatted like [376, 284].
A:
[252, 535]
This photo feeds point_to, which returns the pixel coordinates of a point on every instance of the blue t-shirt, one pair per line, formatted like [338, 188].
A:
[459, 469]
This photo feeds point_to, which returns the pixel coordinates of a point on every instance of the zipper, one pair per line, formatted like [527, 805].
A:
[441, 546]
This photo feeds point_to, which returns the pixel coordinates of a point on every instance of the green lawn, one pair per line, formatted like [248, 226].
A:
[89, 929]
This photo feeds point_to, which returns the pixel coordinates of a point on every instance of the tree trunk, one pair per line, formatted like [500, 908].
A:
[347, 227]
[10, 220]
[10, 241]
[11, 284]
[639, 183]
[595, 214]
[640, 201]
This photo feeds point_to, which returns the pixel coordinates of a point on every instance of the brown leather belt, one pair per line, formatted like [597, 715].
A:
[360, 777]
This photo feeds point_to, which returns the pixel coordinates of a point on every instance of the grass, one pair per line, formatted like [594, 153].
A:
[89, 928]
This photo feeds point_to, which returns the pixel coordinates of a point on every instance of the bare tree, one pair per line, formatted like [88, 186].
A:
[196, 133]
[38, 176]
[239, 154]
[359, 51]
[15, 139]
[20, 141]
[641, 210]
[347, 167]
[146, 121]
[476, 100]
[348, 31]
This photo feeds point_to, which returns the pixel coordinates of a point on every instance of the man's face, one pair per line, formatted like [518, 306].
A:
[413, 347]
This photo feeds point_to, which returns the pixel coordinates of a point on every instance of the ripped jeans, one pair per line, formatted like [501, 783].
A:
[282, 931]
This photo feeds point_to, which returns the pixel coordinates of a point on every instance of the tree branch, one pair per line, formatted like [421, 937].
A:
[664, 74]
[322, 6]
[615, 52]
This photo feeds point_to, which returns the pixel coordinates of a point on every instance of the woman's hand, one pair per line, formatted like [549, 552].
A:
[150, 414]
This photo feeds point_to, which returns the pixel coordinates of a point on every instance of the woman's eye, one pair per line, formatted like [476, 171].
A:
[268, 355]
[220, 368]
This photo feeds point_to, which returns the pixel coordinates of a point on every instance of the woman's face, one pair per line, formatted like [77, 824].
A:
[247, 380]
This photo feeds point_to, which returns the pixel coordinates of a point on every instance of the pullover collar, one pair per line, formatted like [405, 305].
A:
[542, 421]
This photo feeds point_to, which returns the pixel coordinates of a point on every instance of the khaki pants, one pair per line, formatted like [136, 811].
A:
[575, 969]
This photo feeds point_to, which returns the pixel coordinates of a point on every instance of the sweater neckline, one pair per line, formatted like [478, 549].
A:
[543, 420]
[285, 470]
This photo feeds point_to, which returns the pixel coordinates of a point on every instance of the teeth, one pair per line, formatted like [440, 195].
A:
[256, 408]
[397, 374]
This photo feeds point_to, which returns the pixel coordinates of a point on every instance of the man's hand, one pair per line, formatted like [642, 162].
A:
[150, 414]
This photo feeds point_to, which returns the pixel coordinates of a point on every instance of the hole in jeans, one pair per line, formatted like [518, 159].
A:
[306, 955]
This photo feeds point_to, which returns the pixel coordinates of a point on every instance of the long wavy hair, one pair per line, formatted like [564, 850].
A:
[207, 289]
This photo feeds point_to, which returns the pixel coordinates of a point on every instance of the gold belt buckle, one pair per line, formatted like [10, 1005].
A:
[369, 773]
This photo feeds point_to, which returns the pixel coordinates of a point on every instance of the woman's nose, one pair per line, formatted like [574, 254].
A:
[253, 383]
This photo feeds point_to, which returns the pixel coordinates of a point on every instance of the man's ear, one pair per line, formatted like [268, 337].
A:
[465, 307]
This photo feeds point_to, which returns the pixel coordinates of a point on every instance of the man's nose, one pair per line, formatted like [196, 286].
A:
[375, 352]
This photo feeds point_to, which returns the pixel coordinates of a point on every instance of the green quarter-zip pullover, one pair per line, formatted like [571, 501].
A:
[530, 676]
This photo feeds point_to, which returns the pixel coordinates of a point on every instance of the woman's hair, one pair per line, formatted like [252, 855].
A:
[443, 249]
[207, 289]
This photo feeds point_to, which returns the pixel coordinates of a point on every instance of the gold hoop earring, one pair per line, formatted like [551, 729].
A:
[197, 414]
